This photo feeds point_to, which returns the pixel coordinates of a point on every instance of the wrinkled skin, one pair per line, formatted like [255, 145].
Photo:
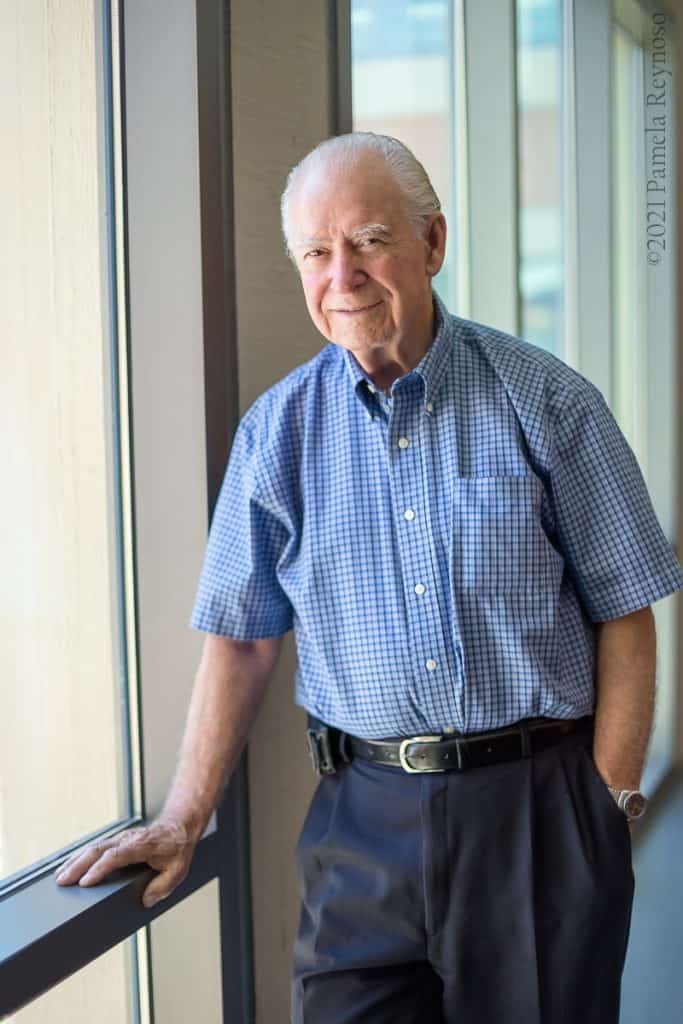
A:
[164, 845]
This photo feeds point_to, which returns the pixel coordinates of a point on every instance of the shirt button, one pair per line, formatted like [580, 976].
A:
[431, 664]
[409, 514]
[403, 442]
[449, 728]
[430, 407]
[420, 588]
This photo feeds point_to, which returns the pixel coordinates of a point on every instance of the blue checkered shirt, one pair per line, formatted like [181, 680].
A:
[443, 554]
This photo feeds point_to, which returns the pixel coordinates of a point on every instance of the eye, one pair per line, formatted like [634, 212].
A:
[313, 253]
[370, 241]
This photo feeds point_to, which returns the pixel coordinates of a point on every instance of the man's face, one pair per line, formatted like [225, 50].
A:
[366, 277]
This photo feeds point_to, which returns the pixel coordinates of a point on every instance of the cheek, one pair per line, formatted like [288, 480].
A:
[314, 303]
[312, 295]
[394, 277]
[404, 290]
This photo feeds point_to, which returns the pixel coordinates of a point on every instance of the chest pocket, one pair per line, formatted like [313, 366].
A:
[498, 544]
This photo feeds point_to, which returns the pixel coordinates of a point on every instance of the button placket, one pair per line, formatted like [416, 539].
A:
[416, 547]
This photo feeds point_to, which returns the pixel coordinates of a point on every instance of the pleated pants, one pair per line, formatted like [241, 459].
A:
[499, 895]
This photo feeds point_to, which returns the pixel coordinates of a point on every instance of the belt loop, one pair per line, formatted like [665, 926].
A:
[526, 740]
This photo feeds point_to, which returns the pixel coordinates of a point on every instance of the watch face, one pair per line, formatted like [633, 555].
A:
[634, 805]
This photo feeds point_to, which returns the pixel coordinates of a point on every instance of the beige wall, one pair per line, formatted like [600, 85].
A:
[280, 110]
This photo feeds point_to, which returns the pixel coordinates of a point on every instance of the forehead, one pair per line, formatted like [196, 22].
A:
[340, 199]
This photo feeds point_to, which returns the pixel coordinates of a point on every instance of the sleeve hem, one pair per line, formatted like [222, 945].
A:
[268, 631]
[606, 610]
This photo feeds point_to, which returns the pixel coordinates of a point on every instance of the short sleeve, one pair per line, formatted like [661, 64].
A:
[615, 549]
[239, 594]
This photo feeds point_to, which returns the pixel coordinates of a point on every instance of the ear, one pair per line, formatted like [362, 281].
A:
[435, 241]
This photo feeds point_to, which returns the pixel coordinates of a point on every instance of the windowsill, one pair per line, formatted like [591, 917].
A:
[48, 931]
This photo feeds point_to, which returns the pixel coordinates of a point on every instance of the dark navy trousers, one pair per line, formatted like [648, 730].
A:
[499, 895]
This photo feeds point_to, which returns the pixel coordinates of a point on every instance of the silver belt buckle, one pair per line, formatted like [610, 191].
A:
[416, 739]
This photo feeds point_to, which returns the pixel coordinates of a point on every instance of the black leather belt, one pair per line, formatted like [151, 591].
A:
[330, 746]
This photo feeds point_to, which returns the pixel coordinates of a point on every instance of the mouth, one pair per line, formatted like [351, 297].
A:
[359, 309]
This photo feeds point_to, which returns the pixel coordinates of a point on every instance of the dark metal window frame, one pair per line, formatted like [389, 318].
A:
[48, 932]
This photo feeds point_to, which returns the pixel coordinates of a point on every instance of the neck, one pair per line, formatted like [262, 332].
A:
[396, 365]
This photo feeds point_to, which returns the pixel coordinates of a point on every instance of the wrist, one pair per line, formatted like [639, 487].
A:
[190, 819]
[620, 777]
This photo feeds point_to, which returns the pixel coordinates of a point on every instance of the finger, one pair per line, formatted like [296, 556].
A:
[73, 868]
[99, 846]
[162, 886]
[153, 895]
[116, 857]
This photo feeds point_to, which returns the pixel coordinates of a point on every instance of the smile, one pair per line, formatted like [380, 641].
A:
[360, 309]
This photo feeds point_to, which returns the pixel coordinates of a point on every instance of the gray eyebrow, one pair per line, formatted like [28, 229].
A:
[360, 232]
[371, 229]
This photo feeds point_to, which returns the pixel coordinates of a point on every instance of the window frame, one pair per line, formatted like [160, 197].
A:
[48, 932]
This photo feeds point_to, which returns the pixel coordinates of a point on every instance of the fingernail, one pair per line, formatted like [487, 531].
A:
[149, 901]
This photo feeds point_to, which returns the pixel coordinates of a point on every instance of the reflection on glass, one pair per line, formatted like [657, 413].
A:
[403, 85]
[103, 991]
[539, 133]
[63, 761]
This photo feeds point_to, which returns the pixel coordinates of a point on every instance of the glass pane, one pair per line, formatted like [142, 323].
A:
[403, 85]
[539, 128]
[628, 275]
[644, 360]
[63, 738]
[102, 991]
[188, 988]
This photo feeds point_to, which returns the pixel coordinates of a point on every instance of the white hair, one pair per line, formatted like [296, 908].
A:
[344, 150]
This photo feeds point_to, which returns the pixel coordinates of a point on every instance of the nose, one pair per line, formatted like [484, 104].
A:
[345, 271]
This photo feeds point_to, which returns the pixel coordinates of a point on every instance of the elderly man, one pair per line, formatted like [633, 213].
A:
[460, 536]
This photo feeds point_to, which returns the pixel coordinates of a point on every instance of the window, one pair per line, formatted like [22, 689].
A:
[644, 292]
[403, 85]
[66, 744]
[540, 56]
[103, 991]
[560, 204]
[64, 737]
[73, 289]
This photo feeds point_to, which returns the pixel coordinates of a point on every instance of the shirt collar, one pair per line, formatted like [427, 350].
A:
[431, 368]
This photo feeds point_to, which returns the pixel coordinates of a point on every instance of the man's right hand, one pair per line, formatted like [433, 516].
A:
[165, 845]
